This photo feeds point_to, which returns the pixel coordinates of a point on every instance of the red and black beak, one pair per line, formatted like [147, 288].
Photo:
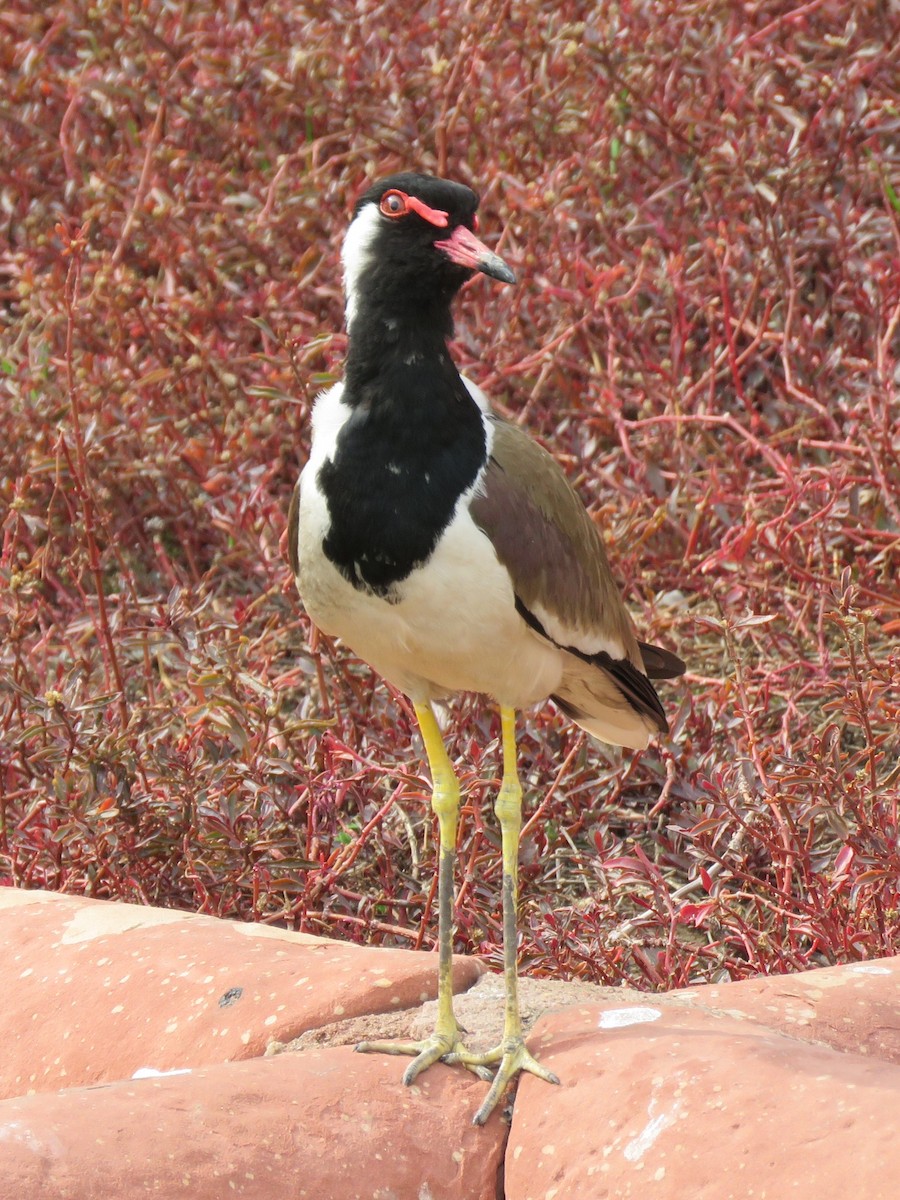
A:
[464, 248]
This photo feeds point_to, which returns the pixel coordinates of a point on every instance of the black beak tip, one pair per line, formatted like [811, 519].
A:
[497, 269]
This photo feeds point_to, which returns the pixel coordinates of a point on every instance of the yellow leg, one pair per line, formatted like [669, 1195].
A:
[445, 804]
[512, 1054]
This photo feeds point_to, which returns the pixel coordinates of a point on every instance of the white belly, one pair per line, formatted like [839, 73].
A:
[453, 627]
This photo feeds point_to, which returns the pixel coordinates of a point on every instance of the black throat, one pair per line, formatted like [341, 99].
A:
[413, 444]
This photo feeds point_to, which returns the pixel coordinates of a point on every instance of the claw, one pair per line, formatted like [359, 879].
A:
[437, 1048]
[513, 1057]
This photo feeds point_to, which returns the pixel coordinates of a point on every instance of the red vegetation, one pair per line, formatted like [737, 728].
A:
[701, 203]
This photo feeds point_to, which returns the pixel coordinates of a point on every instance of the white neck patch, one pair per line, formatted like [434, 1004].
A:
[356, 253]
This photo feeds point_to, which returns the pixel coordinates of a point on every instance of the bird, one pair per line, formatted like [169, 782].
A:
[449, 551]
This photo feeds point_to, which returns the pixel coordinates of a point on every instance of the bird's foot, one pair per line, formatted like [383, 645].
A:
[513, 1056]
[439, 1047]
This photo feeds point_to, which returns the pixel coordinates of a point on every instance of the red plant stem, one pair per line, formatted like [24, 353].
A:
[577, 747]
[83, 483]
[756, 758]
[793, 17]
[64, 141]
[348, 855]
[727, 421]
[863, 709]
[426, 912]
[331, 918]
[728, 326]
[143, 184]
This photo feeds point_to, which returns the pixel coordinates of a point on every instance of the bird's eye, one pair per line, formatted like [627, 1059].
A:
[395, 204]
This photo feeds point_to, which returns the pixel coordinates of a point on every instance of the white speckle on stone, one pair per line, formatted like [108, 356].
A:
[270, 1020]
[869, 969]
[656, 1123]
[19, 1132]
[548, 1150]
[617, 1018]
[338, 1010]
[28, 971]
[117, 1008]
[382, 983]
[171, 1027]
[153, 1073]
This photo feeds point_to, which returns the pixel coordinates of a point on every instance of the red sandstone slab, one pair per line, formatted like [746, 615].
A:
[854, 1007]
[94, 990]
[668, 1102]
[325, 1125]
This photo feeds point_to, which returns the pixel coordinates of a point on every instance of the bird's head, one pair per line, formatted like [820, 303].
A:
[412, 243]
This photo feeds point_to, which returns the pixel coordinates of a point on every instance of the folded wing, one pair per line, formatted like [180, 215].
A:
[566, 592]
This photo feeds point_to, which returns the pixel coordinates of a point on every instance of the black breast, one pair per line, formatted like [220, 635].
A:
[414, 443]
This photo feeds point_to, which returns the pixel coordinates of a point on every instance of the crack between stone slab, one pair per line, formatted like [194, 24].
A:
[389, 1023]
[480, 1009]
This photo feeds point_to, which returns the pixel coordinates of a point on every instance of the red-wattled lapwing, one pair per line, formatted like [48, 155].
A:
[449, 551]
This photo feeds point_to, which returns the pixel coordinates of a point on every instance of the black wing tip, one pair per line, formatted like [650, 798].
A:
[580, 715]
[635, 686]
[660, 663]
[633, 683]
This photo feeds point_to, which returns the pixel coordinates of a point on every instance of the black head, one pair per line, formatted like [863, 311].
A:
[412, 242]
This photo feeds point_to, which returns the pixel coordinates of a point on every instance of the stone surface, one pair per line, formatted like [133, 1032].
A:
[856, 1007]
[325, 1125]
[775, 1087]
[665, 1100]
[95, 991]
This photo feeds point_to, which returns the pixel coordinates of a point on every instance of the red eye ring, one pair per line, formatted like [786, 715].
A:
[394, 203]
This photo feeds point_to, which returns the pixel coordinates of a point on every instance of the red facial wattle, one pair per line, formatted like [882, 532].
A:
[396, 204]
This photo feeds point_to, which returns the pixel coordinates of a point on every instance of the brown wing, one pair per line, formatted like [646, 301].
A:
[544, 537]
[566, 592]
